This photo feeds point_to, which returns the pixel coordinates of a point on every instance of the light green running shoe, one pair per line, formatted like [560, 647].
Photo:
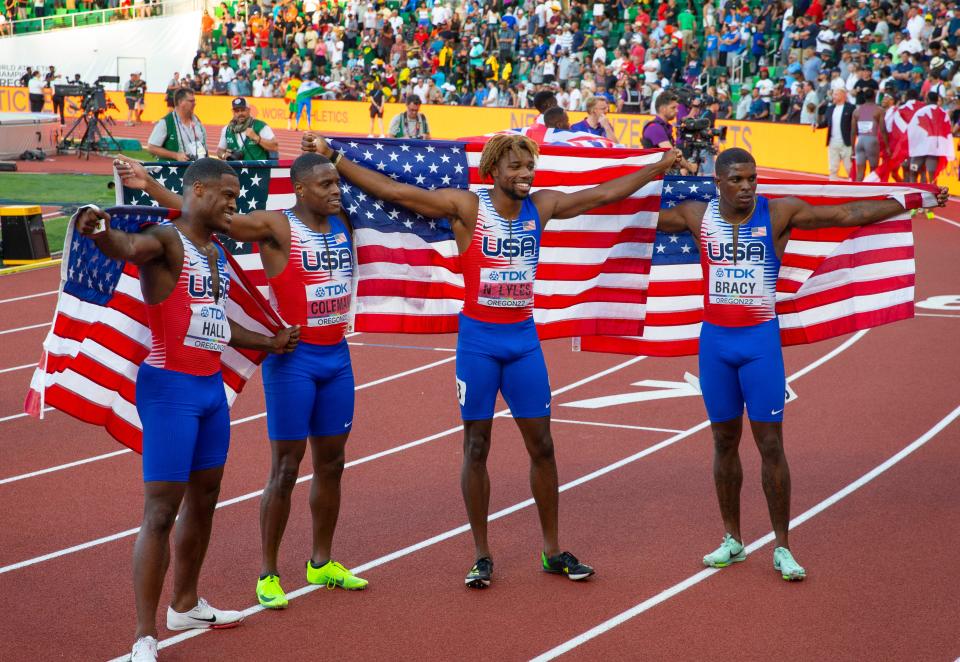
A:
[332, 574]
[729, 551]
[269, 593]
[789, 569]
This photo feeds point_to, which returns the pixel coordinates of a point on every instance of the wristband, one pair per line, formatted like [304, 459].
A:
[335, 157]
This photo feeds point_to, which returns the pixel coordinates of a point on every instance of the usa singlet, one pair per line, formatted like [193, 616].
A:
[190, 327]
[741, 280]
[315, 288]
[500, 265]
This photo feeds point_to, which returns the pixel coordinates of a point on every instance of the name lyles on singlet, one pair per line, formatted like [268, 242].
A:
[737, 282]
[209, 328]
[508, 287]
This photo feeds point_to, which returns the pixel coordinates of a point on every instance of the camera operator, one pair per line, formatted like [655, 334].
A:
[706, 108]
[133, 93]
[659, 131]
[179, 135]
[246, 138]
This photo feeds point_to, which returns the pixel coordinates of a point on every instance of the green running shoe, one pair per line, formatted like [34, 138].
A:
[729, 551]
[567, 564]
[789, 569]
[332, 574]
[269, 593]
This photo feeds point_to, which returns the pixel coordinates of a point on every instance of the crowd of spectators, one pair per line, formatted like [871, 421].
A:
[22, 16]
[774, 60]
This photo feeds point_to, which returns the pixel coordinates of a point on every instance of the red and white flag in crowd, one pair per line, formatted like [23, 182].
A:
[929, 134]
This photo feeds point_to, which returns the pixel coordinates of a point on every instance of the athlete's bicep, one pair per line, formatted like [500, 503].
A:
[671, 220]
[448, 203]
[255, 226]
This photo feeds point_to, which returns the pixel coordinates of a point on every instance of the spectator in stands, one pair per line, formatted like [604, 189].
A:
[246, 138]
[838, 120]
[596, 121]
[6, 27]
[411, 123]
[133, 93]
[808, 112]
[179, 135]
[377, 102]
[759, 108]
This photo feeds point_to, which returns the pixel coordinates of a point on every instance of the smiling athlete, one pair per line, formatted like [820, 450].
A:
[498, 233]
[742, 236]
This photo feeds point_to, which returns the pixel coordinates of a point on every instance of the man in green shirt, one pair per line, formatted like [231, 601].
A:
[688, 24]
[246, 138]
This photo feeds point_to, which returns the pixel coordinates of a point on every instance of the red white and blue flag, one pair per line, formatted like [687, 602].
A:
[100, 334]
[832, 281]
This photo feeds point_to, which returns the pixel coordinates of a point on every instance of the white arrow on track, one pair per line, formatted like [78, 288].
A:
[658, 390]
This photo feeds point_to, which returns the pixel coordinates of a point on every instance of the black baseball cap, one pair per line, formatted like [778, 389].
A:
[239, 102]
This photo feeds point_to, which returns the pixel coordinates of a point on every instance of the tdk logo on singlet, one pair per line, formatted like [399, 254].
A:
[202, 286]
[332, 260]
[525, 246]
[723, 252]
[331, 290]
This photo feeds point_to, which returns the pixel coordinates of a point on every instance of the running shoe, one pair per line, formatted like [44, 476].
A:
[203, 616]
[567, 564]
[269, 593]
[784, 562]
[332, 574]
[144, 650]
[730, 551]
[480, 574]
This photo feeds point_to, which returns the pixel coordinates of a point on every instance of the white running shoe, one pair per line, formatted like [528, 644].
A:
[144, 650]
[202, 616]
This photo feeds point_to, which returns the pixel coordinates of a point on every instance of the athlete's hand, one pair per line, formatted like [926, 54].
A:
[93, 221]
[132, 173]
[943, 196]
[668, 159]
[286, 340]
[311, 142]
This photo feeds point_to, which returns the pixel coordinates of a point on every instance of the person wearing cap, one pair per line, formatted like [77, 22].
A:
[246, 138]
[410, 123]
[133, 92]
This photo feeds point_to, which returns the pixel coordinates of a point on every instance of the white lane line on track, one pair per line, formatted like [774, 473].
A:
[24, 328]
[22, 415]
[956, 317]
[246, 419]
[613, 425]
[387, 346]
[304, 590]
[301, 479]
[28, 296]
[946, 220]
[19, 367]
[693, 580]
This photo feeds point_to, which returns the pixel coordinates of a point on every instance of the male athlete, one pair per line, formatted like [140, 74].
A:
[180, 395]
[498, 233]
[308, 258]
[742, 236]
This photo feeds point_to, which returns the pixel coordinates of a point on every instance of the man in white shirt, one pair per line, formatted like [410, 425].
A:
[576, 99]
[765, 85]
[825, 39]
[35, 90]
[838, 120]
[420, 87]
[600, 54]
[808, 113]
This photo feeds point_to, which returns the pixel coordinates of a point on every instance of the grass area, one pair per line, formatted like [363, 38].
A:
[56, 230]
[38, 188]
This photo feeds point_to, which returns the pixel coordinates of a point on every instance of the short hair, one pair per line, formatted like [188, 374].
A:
[731, 157]
[552, 116]
[592, 102]
[933, 97]
[664, 99]
[912, 94]
[304, 164]
[414, 98]
[499, 145]
[181, 94]
[206, 170]
[544, 100]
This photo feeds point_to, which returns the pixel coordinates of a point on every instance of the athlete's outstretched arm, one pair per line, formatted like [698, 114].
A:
[255, 226]
[283, 343]
[554, 204]
[675, 219]
[136, 248]
[810, 217]
[440, 203]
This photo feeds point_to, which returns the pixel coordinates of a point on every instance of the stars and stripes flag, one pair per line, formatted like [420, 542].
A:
[100, 334]
[832, 281]
[592, 273]
[542, 135]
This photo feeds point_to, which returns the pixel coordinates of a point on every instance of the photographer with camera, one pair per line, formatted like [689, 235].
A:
[179, 135]
[246, 138]
[133, 93]
[659, 131]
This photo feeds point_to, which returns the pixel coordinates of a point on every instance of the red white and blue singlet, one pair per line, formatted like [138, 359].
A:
[500, 265]
[741, 287]
[315, 288]
[190, 328]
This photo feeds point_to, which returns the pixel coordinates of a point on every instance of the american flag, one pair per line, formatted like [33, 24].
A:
[831, 282]
[592, 273]
[100, 334]
[558, 137]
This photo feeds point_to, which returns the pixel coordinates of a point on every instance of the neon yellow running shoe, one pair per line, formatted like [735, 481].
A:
[333, 575]
[269, 593]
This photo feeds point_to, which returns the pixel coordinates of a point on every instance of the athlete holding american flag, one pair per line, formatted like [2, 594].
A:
[742, 237]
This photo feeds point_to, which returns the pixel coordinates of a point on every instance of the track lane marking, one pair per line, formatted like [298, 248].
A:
[302, 479]
[936, 315]
[24, 328]
[22, 415]
[18, 367]
[613, 425]
[28, 296]
[446, 535]
[693, 580]
[946, 220]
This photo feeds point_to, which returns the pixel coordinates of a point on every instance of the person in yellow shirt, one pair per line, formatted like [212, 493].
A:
[445, 58]
[290, 96]
[491, 68]
[507, 71]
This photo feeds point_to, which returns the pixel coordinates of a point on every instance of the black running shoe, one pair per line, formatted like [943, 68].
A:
[567, 564]
[480, 573]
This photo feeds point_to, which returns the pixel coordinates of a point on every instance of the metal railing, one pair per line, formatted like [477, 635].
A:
[145, 9]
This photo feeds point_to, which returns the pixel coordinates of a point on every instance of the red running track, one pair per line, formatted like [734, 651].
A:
[879, 559]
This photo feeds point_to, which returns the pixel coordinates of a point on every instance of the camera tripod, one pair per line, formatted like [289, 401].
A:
[90, 129]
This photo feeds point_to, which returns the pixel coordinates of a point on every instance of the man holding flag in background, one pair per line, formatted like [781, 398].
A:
[307, 254]
[498, 234]
[180, 390]
[742, 237]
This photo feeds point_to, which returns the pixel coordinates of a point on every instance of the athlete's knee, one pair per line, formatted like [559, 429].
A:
[770, 445]
[476, 447]
[159, 516]
[541, 448]
[284, 475]
[330, 468]
[726, 440]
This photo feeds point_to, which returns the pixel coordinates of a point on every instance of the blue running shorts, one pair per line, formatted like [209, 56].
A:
[505, 358]
[742, 364]
[309, 392]
[186, 423]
